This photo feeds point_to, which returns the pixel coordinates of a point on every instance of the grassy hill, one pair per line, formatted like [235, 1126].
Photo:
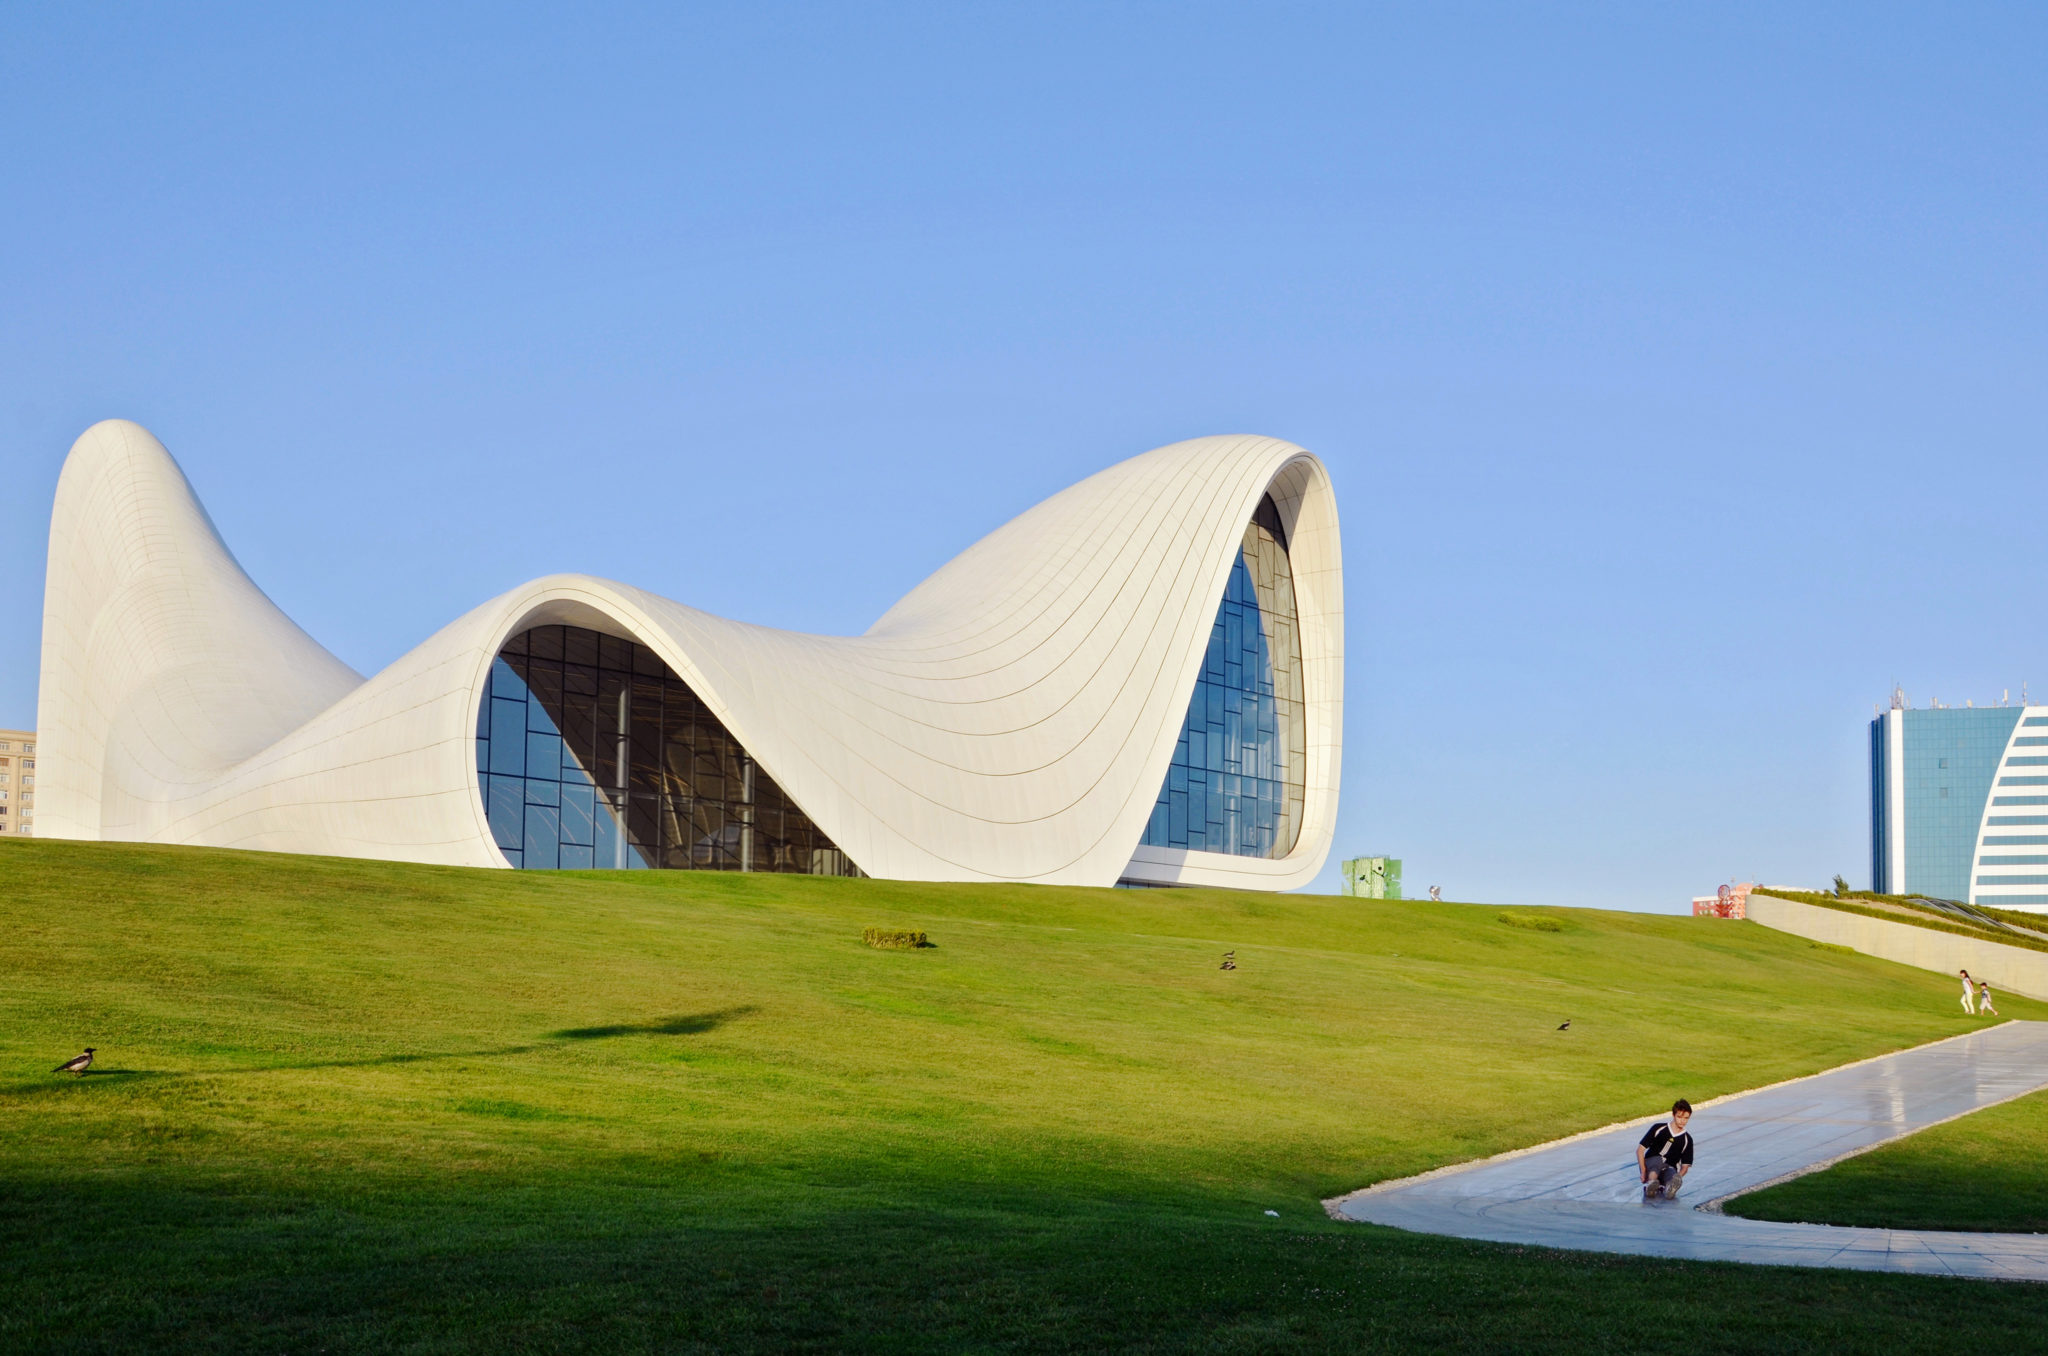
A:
[1981, 1171]
[361, 1106]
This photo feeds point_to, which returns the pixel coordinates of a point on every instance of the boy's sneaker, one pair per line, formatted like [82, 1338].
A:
[1651, 1191]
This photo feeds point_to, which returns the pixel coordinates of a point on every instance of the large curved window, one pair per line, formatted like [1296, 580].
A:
[591, 753]
[1237, 779]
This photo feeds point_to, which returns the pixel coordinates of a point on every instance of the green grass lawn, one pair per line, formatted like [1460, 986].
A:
[354, 1106]
[1983, 1171]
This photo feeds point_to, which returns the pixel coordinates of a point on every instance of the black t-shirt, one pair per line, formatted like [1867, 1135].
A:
[1658, 1140]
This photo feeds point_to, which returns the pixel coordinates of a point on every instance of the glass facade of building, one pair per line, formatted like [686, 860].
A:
[1236, 783]
[590, 752]
[1951, 761]
[1963, 772]
[1880, 815]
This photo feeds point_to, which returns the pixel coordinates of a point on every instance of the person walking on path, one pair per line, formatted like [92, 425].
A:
[1969, 993]
[1984, 997]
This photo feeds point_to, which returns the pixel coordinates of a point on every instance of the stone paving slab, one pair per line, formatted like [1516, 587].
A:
[1582, 1192]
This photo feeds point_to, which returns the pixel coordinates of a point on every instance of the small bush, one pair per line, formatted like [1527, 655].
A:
[891, 939]
[1534, 922]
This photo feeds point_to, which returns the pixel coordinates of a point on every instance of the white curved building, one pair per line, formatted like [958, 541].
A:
[1140, 679]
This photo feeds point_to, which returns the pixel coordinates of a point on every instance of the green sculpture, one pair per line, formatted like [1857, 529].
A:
[1373, 877]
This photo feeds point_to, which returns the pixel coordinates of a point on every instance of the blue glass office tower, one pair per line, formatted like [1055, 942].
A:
[1959, 804]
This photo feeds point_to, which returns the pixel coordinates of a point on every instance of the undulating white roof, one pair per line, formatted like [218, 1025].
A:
[1011, 718]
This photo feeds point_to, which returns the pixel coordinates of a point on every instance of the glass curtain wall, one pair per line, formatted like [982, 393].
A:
[591, 753]
[1239, 771]
[1951, 761]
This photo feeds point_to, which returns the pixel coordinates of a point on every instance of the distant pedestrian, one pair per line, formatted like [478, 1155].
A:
[1436, 893]
[1984, 998]
[1969, 993]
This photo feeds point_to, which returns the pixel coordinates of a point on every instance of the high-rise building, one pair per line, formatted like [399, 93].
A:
[1959, 804]
[17, 781]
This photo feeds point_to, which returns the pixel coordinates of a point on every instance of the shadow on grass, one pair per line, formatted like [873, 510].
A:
[695, 1024]
[382, 1061]
[98, 1076]
[134, 1263]
[688, 1024]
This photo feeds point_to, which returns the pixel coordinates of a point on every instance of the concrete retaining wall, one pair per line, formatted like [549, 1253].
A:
[2009, 969]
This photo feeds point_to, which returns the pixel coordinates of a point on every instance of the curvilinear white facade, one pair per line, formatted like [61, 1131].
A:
[1140, 679]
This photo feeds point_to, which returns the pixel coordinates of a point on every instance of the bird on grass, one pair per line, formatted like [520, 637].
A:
[1565, 1025]
[76, 1066]
[1229, 961]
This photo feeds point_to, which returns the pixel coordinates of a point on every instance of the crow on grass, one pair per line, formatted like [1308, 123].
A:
[76, 1066]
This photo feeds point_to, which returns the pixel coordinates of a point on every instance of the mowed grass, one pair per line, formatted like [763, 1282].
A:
[1982, 1171]
[356, 1106]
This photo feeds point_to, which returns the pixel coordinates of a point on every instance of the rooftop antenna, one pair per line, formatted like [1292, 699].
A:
[1898, 698]
[2004, 696]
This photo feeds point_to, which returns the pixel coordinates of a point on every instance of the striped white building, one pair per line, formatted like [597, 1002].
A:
[1959, 804]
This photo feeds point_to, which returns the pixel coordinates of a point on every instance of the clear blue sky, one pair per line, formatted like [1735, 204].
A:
[1681, 372]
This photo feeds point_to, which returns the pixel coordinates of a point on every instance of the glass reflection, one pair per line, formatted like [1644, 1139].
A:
[591, 753]
[1238, 775]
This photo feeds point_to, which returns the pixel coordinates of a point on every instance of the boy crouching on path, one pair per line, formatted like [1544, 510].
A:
[1664, 1154]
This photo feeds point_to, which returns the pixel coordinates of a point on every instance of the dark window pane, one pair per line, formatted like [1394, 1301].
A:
[699, 801]
[643, 823]
[578, 824]
[507, 811]
[543, 837]
[506, 683]
[545, 703]
[508, 737]
[575, 768]
[544, 755]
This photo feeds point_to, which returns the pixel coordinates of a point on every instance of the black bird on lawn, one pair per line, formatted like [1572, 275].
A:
[76, 1066]
[1566, 1025]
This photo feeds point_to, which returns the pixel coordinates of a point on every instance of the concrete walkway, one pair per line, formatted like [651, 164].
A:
[1583, 1193]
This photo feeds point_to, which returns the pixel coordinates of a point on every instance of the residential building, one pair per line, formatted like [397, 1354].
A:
[18, 782]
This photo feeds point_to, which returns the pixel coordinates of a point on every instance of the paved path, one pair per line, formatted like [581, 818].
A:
[1583, 1193]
